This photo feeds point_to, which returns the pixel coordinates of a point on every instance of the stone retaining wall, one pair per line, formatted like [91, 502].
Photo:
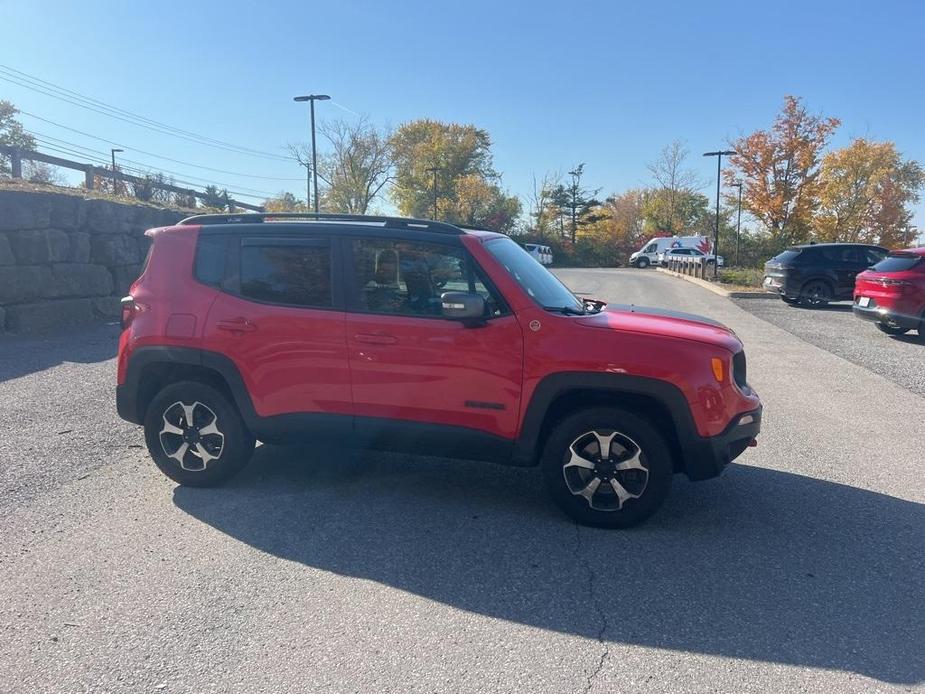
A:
[65, 259]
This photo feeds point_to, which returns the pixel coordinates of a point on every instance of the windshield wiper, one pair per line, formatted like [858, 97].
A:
[566, 310]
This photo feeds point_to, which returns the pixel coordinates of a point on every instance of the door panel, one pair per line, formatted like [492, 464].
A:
[437, 371]
[276, 321]
[409, 364]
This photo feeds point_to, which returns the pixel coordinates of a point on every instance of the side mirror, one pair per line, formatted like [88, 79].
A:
[469, 308]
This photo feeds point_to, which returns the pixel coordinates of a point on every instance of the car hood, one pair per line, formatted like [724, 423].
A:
[666, 322]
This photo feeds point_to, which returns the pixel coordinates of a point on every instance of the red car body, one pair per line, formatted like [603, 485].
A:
[892, 292]
[426, 384]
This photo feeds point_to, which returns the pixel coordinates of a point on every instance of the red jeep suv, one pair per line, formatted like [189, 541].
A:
[423, 337]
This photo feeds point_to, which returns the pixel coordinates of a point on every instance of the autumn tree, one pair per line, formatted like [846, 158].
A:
[779, 169]
[669, 201]
[357, 168]
[12, 134]
[542, 214]
[689, 212]
[455, 150]
[865, 192]
[476, 201]
[284, 202]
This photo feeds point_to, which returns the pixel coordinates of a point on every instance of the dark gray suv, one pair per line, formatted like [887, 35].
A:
[817, 273]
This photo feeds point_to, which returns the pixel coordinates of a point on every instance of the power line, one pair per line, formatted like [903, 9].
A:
[62, 94]
[102, 163]
[146, 168]
[158, 156]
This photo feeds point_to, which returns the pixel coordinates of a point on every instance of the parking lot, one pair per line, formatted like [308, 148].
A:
[800, 569]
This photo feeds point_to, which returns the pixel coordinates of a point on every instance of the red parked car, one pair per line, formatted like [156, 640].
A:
[423, 337]
[892, 293]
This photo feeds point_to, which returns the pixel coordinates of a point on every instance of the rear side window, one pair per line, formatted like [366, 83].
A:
[898, 263]
[286, 271]
[211, 252]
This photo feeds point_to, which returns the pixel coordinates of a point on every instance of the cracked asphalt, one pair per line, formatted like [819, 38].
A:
[800, 569]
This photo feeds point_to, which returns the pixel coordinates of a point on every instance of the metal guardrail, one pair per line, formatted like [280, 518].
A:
[695, 267]
[17, 155]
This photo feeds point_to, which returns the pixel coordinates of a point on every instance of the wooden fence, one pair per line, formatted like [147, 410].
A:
[18, 155]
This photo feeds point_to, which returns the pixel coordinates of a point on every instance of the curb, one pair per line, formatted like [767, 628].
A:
[709, 286]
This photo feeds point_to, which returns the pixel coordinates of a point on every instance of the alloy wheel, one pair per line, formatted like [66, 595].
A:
[606, 469]
[190, 435]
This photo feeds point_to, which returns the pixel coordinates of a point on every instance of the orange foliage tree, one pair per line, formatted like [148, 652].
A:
[780, 168]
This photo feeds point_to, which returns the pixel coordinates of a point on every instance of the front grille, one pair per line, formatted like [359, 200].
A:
[739, 371]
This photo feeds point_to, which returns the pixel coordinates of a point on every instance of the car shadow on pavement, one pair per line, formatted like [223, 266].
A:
[21, 355]
[759, 564]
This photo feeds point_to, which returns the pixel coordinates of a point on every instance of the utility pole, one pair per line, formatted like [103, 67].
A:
[719, 166]
[308, 184]
[738, 184]
[113, 153]
[312, 98]
[434, 170]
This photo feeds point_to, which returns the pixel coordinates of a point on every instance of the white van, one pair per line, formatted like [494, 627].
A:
[648, 254]
[542, 254]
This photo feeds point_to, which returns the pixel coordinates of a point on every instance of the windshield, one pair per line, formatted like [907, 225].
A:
[542, 286]
[897, 263]
[787, 255]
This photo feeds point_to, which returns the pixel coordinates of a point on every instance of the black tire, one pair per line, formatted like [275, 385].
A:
[921, 328]
[816, 293]
[232, 445]
[891, 330]
[609, 510]
[788, 300]
[642, 263]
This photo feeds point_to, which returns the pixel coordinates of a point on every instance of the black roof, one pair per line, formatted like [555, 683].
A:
[832, 244]
[382, 222]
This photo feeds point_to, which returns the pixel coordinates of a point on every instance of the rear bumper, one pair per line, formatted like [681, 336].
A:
[708, 457]
[883, 314]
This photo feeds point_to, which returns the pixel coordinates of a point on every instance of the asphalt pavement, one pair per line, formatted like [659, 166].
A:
[800, 569]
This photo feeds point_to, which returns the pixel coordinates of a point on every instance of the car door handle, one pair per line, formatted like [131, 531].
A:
[375, 339]
[236, 325]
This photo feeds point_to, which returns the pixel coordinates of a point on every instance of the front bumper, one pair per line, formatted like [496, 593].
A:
[708, 457]
[883, 314]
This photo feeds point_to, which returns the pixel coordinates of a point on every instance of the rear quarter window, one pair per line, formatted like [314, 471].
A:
[897, 263]
[211, 252]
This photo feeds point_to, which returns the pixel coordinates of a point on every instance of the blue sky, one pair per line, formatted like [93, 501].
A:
[555, 84]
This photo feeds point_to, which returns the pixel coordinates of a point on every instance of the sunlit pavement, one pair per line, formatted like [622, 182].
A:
[800, 569]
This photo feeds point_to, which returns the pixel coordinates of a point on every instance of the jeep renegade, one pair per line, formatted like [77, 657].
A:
[422, 337]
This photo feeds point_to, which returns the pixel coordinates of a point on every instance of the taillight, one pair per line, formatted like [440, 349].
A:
[128, 311]
[888, 282]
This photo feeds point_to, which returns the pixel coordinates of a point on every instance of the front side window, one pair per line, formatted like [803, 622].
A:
[542, 286]
[291, 272]
[409, 277]
[650, 248]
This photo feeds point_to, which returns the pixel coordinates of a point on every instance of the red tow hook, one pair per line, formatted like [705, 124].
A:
[753, 443]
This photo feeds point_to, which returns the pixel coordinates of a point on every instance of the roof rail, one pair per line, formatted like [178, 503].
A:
[387, 222]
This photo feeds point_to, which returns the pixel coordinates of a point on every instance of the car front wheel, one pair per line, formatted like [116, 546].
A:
[195, 435]
[642, 263]
[606, 467]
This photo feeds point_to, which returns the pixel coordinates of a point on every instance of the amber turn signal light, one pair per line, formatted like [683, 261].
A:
[717, 369]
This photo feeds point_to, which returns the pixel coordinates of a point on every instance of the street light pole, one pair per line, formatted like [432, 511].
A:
[719, 165]
[738, 184]
[312, 98]
[113, 153]
[434, 170]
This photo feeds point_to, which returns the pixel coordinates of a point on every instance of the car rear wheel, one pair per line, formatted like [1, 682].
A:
[816, 293]
[891, 329]
[642, 263]
[195, 435]
[606, 467]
